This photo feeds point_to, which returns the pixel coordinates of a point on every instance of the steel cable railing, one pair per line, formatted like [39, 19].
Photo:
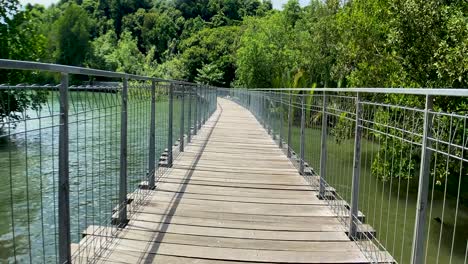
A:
[391, 163]
[79, 157]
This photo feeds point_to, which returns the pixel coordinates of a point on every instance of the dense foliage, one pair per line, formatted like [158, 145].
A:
[364, 43]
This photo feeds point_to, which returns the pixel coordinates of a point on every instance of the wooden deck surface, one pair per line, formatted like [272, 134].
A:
[232, 197]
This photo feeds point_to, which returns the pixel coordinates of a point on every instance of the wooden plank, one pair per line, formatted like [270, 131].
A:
[236, 178]
[319, 226]
[263, 170]
[241, 243]
[234, 254]
[166, 196]
[252, 209]
[239, 217]
[262, 193]
[122, 255]
[246, 186]
[236, 174]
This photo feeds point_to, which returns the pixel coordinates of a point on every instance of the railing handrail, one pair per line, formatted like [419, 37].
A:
[411, 91]
[59, 68]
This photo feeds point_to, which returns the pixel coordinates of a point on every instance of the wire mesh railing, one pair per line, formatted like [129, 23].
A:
[80, 155]
[391, 163]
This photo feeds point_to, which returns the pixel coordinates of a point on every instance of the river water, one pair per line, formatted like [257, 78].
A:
[29, 168]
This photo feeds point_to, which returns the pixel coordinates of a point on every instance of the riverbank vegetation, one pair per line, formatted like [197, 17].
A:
[372, 43]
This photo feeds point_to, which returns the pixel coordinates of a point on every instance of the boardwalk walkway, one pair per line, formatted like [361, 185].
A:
[233, 196]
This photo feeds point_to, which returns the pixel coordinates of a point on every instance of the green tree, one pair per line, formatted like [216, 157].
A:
[293, 11]
[19, 40]
[211, 46]
[210, 74]
[73, 36]
[160, 29]
[267, 53]
[120, 8]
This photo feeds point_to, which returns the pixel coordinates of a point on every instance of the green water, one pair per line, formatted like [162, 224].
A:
[389, 211]
[29, 168]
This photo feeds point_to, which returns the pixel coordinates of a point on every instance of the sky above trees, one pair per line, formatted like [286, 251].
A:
[277, 4]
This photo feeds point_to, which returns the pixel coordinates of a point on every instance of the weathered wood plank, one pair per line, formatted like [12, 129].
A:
[236, 254]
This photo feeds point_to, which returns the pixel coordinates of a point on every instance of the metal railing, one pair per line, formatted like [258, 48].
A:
[398, 156]
[80, 155]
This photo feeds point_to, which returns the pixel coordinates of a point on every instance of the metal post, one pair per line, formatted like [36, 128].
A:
[182, 113]
[207, 103]
[259, 107]
[200, 112]
[323, 145]
[262, 103]
[64, 186]
[272, 115]
[281, 122]
[195, 126]
[204, 104]
[169, 133]
[189, 122]
[268, 113]
[123, 156]
[152, 139]
[353, 212]
[264, 110]
[301, 161]
[417, 252]
[289, 124]
[200, 107]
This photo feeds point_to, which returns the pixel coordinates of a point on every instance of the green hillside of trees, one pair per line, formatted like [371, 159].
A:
[332, 43]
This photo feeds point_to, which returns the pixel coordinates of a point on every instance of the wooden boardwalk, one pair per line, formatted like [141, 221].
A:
[232, 197]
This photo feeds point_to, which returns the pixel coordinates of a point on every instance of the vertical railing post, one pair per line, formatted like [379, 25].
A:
[290, 120]
[152, 139]
[302, 147]
[259, 107]
[269, 114]
[189, 115]
[200, 107]
[273, 114]
[64, 185]
[417, 252]
[323, 146]
[182, 113]
[281, 121]
[195, 121]
[169, 133]
[205, 105]
[123, 155]
[262, 103]
[263, 109]
[353, 212]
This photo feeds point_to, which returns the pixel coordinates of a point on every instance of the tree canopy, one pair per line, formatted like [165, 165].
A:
[359, 43]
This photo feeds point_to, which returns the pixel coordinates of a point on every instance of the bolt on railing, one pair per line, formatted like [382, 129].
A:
[397, 155]
[92, 175]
